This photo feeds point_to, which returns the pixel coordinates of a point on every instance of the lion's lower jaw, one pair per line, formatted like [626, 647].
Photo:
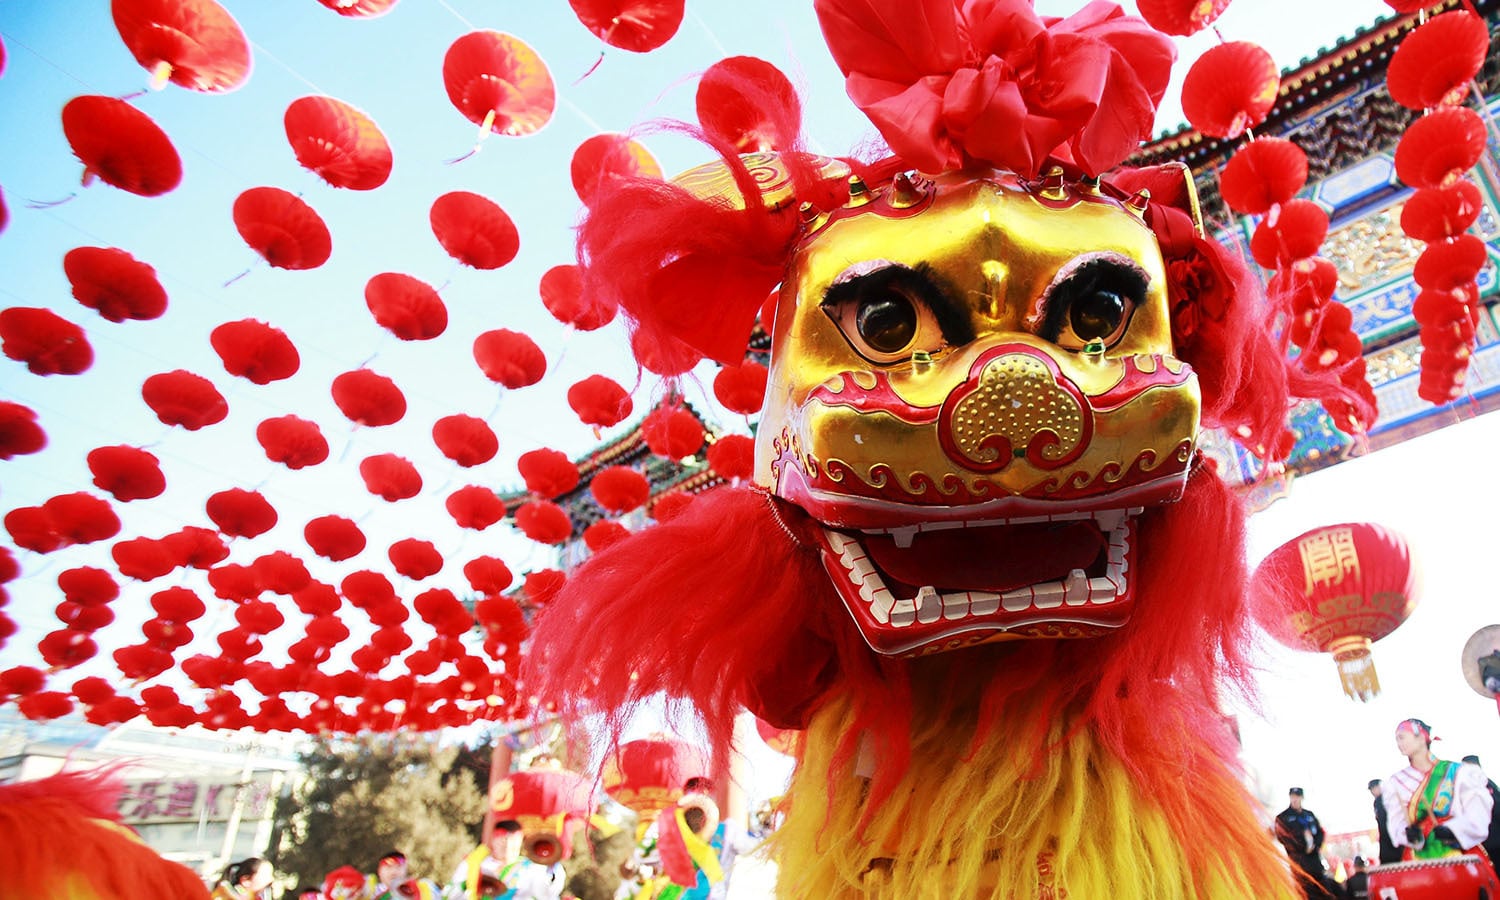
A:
[989, 825]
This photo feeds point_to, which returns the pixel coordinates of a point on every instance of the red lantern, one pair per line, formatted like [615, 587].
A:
[66, 647]
[475, 507]
[255, 351]
[235, 582]
[334, 538]
[1181, 17]
[1436, 214]
[664, 355]
[341, 144]
[600, 401]
[201, 548]
[1436, 62]
[47, 343]
[742, 388]
[282, 228]
[1262, 174]
[604, 533]
[181, 398]
[127, 473]
[241, 513]
[366, 589]
[1438, 148]
[619, 490]
[647, 775]
[405, 306]
[635, 25]
[539, 799]
[732, 457]
[114, 283]
[368, 399]
[317, 598]
[605, 157]
[562, 294]
[1296, 233]
[544, 522]
[390, 477]
[672, 432]
[499, 83]
[1230, 88]
[749, 104]
[509, 358]
[19, 432]
[292, 441]
[76, 518]
[548, 473]
[1336, 589]
[142, 558]
[1451, 264]
[474, 230]
[415, 559]
[360, 9]
[488, 575]
[670, 505]
[195, 43]
[120, 145]
[280, 573]
[467, 440]
[87, 586]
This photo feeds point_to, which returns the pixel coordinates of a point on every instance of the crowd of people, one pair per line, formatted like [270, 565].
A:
[1431, 808]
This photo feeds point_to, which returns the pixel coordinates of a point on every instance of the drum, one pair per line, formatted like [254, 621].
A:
[1449, 878]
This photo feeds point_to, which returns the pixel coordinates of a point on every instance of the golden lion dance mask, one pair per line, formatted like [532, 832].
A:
[973, 390]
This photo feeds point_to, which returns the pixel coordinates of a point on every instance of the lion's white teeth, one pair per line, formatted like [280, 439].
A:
[929, 605]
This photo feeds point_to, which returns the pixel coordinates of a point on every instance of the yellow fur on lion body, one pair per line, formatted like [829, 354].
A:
[1048, 802]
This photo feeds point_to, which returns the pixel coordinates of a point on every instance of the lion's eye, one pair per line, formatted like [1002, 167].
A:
[886, 311]
[1098, 315]
[1091, 302]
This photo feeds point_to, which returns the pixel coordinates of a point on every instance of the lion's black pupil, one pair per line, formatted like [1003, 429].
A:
[1097, 315]
[887, 322]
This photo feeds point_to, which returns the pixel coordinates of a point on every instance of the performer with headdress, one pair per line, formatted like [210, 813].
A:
[983, 565]
[1434, 807]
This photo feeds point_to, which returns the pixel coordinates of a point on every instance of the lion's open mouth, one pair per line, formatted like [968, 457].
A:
[943, 585]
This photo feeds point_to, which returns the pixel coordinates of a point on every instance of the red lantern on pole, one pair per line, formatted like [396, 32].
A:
[548, 802]
[647, 775]
[1337, 589]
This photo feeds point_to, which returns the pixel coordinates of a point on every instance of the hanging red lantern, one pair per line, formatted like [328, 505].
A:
[474, 230]
[1229, 89]
[664, 355]
[405, 306]
[292, 441]
[114, 283]
[1296, 233]
[127, 473]
[1181, 17]
[31, 529]
[1436, 214]
[509, 358]
[193, 43]
[467, 440]
[1435, 64]
[562, 294]
[366, 589]
[87, 586]
[255, 351]
[539, 799]
[45, 706]
[200, 548]
[488, 575]
[66, 648]
[504, 624]
[600, 401]
[544, 522]
[81, 518]
[317, 598]
[334, 538]
[670, 505]
[47, 343]
[339, 143]
[1337, 589]
[647, 775]
[282, 228]
[749, 104]
[390, 477]
[742, 388]
[280, 573]
[732, 457]
[604, 533]
[1451, 264]
[499, 83]
[143, 559]
[475, 507]
[1438, 148]
[639, 26]
[443, 611]
[19, 432]
[673, 432]
[240, 513]
[1262, 174]
[121, 146]
[415, 559]
[605, 157]
[619, 489]
[234, 582]
[360, 9]
[366, 398]
[548, 473]
[181, 398]
[178, 604]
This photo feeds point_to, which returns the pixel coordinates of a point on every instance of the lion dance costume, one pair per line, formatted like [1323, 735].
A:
[982, 563]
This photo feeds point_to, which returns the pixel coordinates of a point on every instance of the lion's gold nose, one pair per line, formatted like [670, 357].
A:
[1015, 403]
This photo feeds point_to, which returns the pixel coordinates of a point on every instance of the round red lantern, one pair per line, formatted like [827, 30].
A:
[1337, 589]
[647, 775]
[545, 801]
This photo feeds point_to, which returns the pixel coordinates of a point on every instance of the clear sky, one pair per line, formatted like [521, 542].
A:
[390, 67]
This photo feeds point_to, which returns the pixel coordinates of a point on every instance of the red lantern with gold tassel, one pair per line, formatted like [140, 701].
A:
[1337, 589]
[550, 803]
[647, 775]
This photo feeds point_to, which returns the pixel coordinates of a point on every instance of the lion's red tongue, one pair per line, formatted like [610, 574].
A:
[996, 558]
